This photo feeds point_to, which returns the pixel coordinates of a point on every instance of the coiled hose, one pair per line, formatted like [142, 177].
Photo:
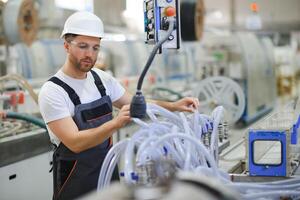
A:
[34, 120]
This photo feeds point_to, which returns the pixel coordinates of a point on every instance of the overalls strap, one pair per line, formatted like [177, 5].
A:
[71, 92]
[99, 83]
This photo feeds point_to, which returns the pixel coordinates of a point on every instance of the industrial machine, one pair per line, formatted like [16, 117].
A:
[218, 90]
[272, 147]
[25, 158]
[242, 57]
[24, 142]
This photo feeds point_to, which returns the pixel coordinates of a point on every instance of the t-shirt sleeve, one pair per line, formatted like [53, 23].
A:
[52, 103]
[113, 87]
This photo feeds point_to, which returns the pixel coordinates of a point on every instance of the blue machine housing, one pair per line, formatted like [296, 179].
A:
[294, 135]
[267, 169]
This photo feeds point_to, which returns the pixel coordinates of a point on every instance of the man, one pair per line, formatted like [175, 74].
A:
[76, 103]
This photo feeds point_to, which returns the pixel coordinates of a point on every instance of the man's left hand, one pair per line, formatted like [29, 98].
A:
[186, 104]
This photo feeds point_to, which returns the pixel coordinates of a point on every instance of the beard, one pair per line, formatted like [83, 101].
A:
[84, 64]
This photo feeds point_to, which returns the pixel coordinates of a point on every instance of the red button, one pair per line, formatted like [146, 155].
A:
[21, 98]
[170, 11]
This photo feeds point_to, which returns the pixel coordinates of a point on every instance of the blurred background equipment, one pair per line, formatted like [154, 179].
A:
[20, 20]
[192, 19]
[221, 91]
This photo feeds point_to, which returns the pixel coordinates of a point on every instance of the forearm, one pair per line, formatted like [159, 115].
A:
[165, 104]
[89, 138]
[186, 104]
[79, 140]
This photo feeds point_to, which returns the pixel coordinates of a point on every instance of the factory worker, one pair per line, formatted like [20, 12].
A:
[76, 104]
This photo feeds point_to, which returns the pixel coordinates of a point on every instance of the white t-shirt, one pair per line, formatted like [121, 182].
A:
[55, 103]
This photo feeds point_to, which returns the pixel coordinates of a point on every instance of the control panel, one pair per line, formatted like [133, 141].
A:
[156, 22]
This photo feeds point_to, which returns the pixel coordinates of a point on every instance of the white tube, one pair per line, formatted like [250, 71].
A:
[248, 186]
[106, 168]
[111, 168]
[280, 182]
[129, 152]
[179, 160]
[176, 148]
[152, 116]
[203, 120]
[107, 160]
[203, 170]
[143, 146]
[149, 154]
[198, 144]
[187, 131]
[271, 194]
[196, 126]
[186, 127]
[140, 123]
[163, 112]
[217, 114]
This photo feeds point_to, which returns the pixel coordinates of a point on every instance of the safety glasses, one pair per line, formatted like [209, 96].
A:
[84, 47]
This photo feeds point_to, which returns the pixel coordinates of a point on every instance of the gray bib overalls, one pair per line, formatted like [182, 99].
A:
[75, 174]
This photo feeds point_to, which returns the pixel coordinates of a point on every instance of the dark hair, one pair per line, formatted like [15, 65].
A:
[69, 37]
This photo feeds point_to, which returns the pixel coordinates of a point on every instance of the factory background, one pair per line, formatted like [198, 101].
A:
[243, 55]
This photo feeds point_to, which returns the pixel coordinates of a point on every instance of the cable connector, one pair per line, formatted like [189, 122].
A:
[138, 105]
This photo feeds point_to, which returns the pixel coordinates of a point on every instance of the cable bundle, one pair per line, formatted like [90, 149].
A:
[174, 135]
[183, 138]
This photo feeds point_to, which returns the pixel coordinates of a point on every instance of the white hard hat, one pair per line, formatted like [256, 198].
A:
[84, 23]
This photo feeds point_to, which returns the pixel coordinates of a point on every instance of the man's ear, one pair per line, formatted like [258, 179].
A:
[66, 46]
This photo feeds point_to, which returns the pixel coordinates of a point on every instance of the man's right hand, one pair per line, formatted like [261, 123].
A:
[123, 117]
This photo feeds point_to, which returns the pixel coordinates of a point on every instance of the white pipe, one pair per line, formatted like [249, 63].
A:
[111, 168]
[271, 194]
[249, 186]
[292, 180]
[152, 116]
[163, 112]
[129, 152]
[112, 152]
[140, 123]
[217, 114]
[196, 127]
[198, 144]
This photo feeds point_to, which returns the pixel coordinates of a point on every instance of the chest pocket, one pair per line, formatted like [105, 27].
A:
[95, 113]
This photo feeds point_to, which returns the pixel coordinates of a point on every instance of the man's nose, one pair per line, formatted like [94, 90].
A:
[89, 52]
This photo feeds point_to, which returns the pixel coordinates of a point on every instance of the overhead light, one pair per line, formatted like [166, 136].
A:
[218, 14]
[215, 14]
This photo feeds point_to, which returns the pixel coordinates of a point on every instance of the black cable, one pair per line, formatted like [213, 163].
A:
[138, 103]
[153, 53]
